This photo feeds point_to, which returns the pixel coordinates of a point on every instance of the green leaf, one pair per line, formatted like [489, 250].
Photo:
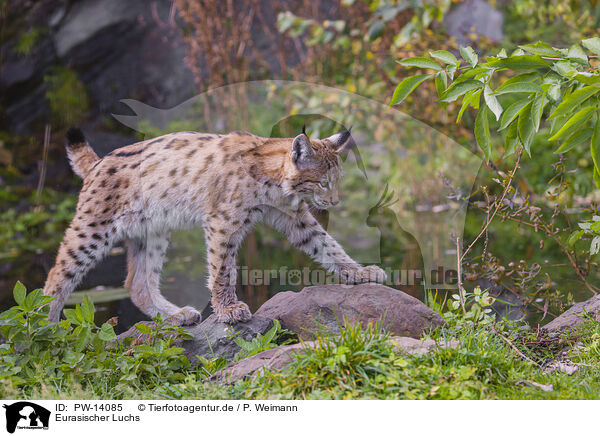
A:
[19, 293]
[480, 69]
[482, 132]
[471, 98]
[107, 333]
[72, 358]
[492, 102]
[541, 49]
[519, 62]
[595, 245]
[512, 139]
[407, 86]
[441, 83]
[564, 68]
[71, 316]
[554, 92]
[79, 313]
[457, 89]
[588, 79]
[420, 63]
[32, 299]
[575, 139]
[592, 44]
[518, 87]
[87, 309]
[143, 328]
[574, 122]
[83, 337]
[450, 70]
[469, 55]
[595, 146]
[574, 100]
[526, 127]
[575, 236]
[444, 56]
[537, 108]
[524, 77]
[512, 111]
[576, 52]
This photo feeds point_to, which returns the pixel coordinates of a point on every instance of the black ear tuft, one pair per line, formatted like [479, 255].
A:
[304, 129]
[342, 140]
[75, 136]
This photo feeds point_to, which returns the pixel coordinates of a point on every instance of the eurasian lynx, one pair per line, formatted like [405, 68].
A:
[224, 183]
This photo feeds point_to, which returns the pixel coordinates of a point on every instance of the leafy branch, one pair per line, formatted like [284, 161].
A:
[544, 84]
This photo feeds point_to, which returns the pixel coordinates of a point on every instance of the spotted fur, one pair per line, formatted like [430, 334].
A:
[224, 183]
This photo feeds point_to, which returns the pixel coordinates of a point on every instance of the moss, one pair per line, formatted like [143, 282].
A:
[28, 40]
[68, 98]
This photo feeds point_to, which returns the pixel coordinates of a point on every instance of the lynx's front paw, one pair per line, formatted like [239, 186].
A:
[236, 312]
[371, 274]
[186, 316]
[364, 274]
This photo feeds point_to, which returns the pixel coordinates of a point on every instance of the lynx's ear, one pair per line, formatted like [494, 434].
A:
[341, 141]
[302, 152]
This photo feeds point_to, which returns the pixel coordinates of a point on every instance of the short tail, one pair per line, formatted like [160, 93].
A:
[80, 153]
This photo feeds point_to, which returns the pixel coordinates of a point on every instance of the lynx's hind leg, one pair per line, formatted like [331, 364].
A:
[145, 258]
[85, 243]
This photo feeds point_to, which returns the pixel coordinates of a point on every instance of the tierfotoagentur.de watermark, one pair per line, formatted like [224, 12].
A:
[306, 276]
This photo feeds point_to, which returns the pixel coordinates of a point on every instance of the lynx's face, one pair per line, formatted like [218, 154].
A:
[318, 168]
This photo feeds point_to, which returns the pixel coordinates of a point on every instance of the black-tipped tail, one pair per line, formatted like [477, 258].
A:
[75, 136]
[80, 153]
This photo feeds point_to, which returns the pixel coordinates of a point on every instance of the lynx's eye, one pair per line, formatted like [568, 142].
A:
[324, 185]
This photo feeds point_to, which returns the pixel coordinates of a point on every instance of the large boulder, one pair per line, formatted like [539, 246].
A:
[575, 316]
[326, 307]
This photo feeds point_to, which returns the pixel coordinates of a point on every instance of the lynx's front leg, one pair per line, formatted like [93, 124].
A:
[304, 231]
[223, 244]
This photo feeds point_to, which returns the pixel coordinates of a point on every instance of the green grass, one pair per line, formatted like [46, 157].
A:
[42, 362]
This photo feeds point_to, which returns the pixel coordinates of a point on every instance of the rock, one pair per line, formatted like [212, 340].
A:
[278, 358]
[564, 366]
[327, 306]
[212, 338]
[575, 316]
[87, 18]
[474, 15]
[422, 346]
[118, 49]
[273, 359]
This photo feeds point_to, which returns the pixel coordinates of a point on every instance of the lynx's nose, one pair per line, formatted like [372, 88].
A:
[334, 198]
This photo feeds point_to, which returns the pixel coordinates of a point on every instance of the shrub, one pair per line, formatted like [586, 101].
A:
[39, 355]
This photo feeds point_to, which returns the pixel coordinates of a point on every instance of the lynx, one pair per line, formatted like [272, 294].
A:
[226, 184]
